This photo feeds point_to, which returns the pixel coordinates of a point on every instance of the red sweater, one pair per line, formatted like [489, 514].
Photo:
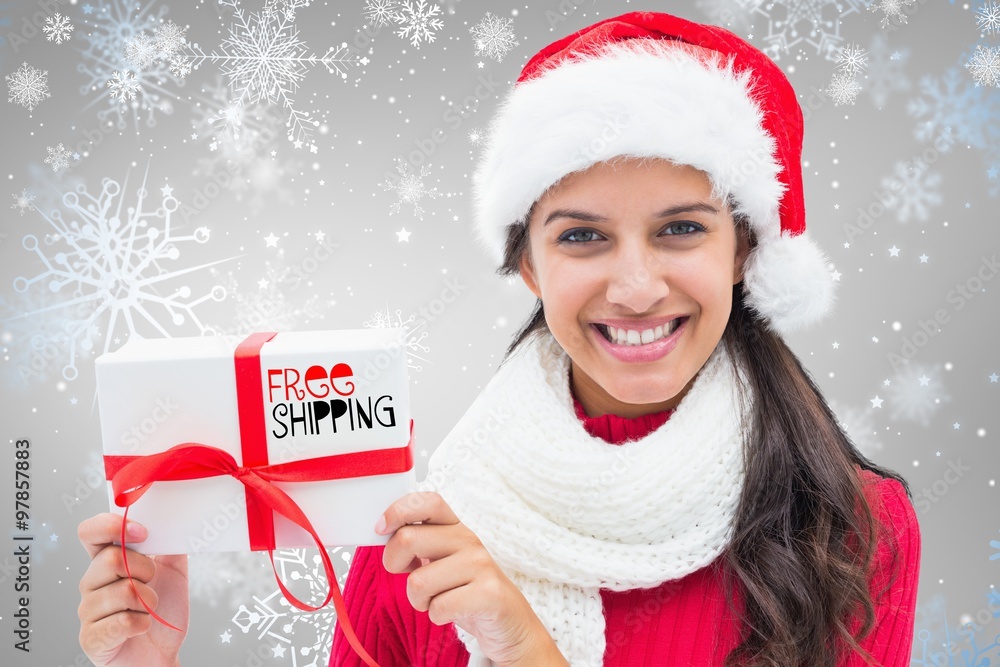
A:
[682, 622]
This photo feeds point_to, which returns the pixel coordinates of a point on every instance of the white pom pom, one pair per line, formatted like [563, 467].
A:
[787, 282]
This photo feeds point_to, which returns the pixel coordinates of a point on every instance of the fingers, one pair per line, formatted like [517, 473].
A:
[435, 578]
[108, 566]
[413, 545]
[103, 529]
[115, 598]
[112, 631]
[418, 507]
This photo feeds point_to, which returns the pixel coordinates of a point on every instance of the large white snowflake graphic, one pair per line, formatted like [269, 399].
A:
[815, 22]
[988, 18]
[27, 86]
[414, 342]
[57, 28]
[494, 37]
[23, 201]
[114, 261]
[58, 157]
[409, 188]
[418, 22]
[985, 66]
[380, 13]
[123, 86]
[843, 88]
[265, 60]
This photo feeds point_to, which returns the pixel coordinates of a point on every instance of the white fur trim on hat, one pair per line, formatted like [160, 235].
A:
[786, 281]
[639, 98]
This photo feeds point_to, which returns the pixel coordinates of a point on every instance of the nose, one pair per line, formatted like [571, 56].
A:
[636, 279]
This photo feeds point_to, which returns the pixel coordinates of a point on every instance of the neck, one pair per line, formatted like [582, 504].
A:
[596, 401]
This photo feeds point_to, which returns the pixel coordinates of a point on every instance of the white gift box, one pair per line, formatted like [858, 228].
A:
[324, 393]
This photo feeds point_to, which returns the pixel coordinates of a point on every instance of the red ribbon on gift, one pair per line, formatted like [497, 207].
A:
[131, 477]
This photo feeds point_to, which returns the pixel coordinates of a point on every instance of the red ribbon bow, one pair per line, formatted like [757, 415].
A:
[131, 477]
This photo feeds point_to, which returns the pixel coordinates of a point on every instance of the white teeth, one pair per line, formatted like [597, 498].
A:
[633, 337]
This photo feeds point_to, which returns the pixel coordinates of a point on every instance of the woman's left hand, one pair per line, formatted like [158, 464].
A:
[454, 579]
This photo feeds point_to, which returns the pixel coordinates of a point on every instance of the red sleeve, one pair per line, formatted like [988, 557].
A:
[891, 640]
[364, 594]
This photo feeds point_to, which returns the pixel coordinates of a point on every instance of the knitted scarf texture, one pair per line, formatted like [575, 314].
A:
[565, 514]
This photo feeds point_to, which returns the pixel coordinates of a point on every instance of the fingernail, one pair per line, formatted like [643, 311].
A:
[380, 524]
[135, 531]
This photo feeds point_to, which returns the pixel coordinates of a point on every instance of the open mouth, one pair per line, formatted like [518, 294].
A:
[629, 337]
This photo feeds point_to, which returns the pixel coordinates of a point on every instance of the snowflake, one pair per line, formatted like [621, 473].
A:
[843, 88]
[123, 85]
[265, 60]
[494, 37]
[418, 21]
[287, 7]
[915, 189]
[815, 22]
[57, 28]
[935, 633]
[916, 394]
[23, 202]
[180, 66]
[887, 73]
[860, 428]
[27, 86]
[852, 59]
[139, 51]
[988, 18]
[58, 157]
[985, 66]
[381, 12]
[116, 23]
[414, 345]
[168, 39]
[409, 188]
[265, 306]
[114, 263]
[475, 136]
[307, 635]
[893, 9]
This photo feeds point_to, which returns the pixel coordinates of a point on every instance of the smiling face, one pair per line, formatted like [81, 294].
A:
[624, 248]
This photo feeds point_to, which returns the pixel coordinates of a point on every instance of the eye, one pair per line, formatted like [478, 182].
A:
[685, 223]
[565, 238]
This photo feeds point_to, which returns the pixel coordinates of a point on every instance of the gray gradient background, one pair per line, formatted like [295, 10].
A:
[379, 113]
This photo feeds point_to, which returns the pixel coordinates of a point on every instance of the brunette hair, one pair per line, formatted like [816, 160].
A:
[804, 541]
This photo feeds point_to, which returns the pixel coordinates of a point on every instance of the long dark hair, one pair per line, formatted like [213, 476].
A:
[804, 540]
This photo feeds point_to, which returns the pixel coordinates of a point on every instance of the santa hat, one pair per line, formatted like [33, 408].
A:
[648, 84]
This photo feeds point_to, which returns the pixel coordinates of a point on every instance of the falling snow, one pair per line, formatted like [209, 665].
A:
[265, 60]
[23, 201]
[27, 86]
[117, 256]
[58, 157]
[123, 86]
[409, 188]
[985, 66]
[57, 28]
[843, 88]
[494, 37]
[893, 11]
[418, 22]
[988, 18]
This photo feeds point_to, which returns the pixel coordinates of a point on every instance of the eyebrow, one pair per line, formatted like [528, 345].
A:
[665, 213]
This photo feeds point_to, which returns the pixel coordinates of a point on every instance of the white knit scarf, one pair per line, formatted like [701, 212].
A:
[565, 514]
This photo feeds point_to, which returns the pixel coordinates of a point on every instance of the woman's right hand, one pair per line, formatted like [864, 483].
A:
[115, 629]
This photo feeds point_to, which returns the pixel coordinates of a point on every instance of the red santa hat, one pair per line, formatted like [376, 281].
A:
[648, 84]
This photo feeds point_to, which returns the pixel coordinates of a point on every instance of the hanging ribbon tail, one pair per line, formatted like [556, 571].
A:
[132, 583]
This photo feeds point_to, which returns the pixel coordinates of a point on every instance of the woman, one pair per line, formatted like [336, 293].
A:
[650, 477]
